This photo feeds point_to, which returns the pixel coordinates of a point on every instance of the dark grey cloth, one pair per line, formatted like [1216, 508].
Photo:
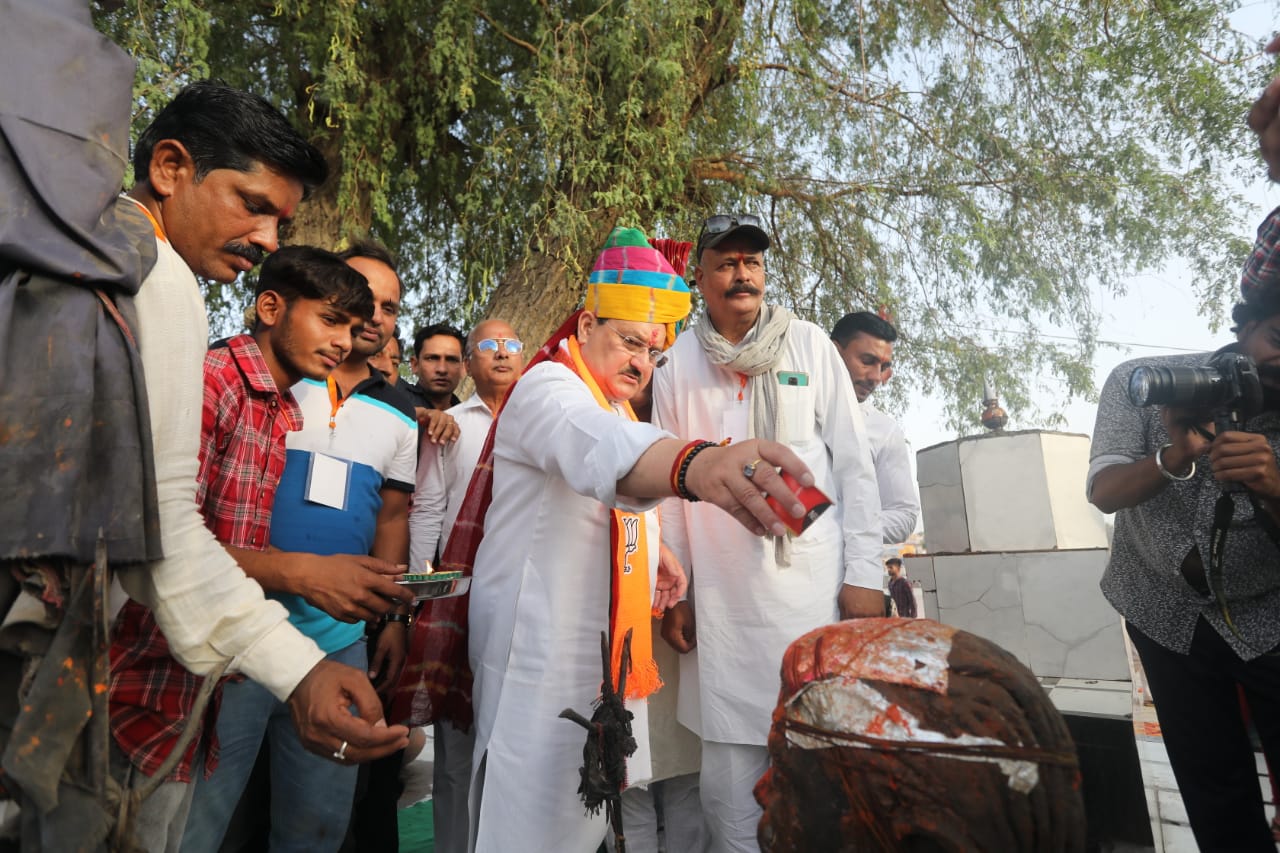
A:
[1143, 580]
[420, 397]
[75, 441]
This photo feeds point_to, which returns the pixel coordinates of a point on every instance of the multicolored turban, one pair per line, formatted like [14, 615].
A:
[632, 280]
[1262, 269]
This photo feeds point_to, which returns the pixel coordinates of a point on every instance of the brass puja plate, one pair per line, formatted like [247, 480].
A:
[435, 584]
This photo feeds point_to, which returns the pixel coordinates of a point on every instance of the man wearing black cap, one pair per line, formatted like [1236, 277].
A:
[1203, 627]
[752, 370]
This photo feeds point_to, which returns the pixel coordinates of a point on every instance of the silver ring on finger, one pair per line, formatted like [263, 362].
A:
[341, 753]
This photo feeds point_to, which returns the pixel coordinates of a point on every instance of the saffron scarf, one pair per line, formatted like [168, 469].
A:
[630, 601]
[436, 681]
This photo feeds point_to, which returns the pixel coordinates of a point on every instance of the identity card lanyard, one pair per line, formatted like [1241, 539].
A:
[336, 400]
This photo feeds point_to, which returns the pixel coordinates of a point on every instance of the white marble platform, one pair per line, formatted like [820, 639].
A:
[1043, 607]
[1013, 491]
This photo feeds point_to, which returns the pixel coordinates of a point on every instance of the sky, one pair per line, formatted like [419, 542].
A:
[1157, 315]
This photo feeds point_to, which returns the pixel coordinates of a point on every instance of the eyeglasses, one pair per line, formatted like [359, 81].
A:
[510, 346]
[638, 347]
[722, 222]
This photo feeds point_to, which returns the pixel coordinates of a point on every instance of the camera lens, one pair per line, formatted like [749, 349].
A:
[1140, 382]
[1187, 387]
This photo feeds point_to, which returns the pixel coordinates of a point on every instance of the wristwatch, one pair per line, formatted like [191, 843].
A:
[399, 617]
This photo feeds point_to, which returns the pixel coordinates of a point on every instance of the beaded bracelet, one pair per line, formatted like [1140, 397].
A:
[675, 465]
[682, 488]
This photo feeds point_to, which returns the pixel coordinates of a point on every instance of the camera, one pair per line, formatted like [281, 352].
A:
[1228, 386]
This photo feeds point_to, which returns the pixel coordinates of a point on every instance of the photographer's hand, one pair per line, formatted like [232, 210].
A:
[1125, 485]
[1189, 433]
[1264, 120]
[1246, 458]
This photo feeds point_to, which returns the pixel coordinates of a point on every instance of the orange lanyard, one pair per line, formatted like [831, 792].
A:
[154, 223]
[742, 385]
[335, 403]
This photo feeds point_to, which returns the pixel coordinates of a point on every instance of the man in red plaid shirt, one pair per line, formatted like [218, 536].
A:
[309, 304]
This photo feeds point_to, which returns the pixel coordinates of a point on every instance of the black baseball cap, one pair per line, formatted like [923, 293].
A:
[716, 229]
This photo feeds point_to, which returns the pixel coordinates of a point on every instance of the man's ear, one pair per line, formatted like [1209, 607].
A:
[586, 323]
[271, 308]
[171, 163]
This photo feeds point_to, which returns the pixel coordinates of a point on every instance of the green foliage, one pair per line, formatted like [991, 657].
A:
[967, 165]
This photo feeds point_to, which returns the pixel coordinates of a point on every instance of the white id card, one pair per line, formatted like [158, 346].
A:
[328, 479]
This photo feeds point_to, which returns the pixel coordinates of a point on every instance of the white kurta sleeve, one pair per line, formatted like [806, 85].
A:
[553, 423]
[899, 505]
[674, 520]
[207, 608]
[844, 432]
[430, 499]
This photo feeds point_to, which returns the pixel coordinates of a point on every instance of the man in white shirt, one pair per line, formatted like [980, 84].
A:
[750, 370]
[218, 171]
[865, 342]
[494, 359]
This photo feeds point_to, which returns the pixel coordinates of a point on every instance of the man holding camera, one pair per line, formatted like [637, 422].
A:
[1195, 561]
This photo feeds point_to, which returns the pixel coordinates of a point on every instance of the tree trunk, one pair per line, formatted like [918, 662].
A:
[537, 294]
[320, 220]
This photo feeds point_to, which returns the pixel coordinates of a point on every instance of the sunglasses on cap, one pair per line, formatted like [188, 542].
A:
[721, 223]
[511, 346]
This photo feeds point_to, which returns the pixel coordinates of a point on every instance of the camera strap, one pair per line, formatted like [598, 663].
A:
[1223, 512]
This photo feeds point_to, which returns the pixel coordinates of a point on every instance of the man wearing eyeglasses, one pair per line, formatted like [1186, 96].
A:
[560, 525]
[494, 359]
[752, 370]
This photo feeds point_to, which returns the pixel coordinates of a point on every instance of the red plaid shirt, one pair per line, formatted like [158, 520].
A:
[245, 419]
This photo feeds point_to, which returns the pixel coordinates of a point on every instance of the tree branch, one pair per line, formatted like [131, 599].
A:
[533, 51]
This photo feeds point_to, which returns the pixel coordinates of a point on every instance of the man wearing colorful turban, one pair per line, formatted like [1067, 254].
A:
[559, 530]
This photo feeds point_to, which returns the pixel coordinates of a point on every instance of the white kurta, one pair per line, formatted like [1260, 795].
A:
[444, 472]
[748, 608]
[539, 601]
[899, 503]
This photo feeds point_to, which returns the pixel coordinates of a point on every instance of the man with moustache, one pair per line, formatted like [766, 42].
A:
[865, 343]
[494, 359]
[216, 173]
[569, 548]
[308, 303]
[438, 362]
[347, 480]
[751, 370]
[1195, 564]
